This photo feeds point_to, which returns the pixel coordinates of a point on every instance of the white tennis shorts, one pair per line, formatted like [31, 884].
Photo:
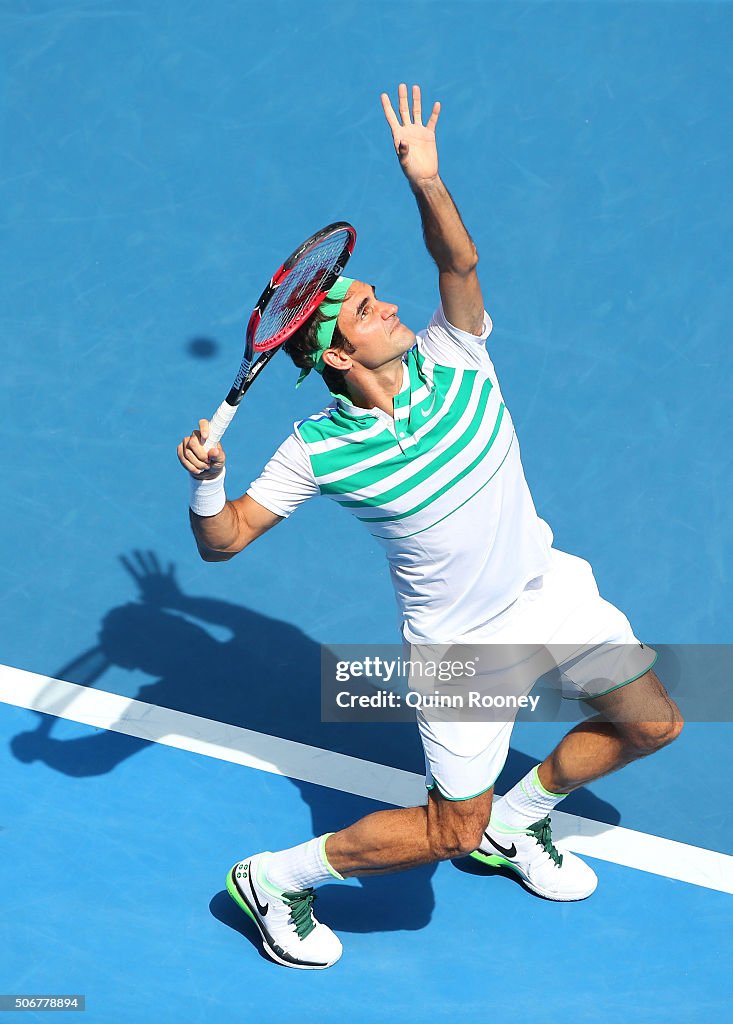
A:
[564, 611]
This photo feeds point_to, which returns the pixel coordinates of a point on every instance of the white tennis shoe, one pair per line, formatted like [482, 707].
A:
[291, 935]
[532, 855]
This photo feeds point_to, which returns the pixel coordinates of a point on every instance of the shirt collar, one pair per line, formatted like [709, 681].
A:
[401, 401]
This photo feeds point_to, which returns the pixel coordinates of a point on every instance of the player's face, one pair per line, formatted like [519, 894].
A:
[373, 327]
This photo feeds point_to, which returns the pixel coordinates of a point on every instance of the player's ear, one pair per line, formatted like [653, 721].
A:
[337, 359]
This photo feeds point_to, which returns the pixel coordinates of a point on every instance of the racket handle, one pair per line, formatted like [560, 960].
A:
[218, 424]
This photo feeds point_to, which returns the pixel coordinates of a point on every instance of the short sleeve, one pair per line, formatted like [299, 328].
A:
[287, 480]
[448, 346]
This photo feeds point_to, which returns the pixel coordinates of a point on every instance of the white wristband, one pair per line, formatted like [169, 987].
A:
[207, 496]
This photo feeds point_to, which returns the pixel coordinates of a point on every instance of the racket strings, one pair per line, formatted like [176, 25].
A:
[307, 278]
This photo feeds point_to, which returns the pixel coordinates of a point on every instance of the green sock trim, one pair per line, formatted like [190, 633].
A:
[325, 858]
[545, 792]
[508, 830]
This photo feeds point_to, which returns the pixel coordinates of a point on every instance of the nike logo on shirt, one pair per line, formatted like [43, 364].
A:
[426, 412]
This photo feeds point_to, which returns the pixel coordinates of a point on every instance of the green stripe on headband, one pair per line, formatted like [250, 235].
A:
[330, 307]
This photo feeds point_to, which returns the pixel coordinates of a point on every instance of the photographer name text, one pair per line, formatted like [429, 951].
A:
[417, 699]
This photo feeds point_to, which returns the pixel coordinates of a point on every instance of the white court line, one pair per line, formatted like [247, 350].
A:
[304, 763]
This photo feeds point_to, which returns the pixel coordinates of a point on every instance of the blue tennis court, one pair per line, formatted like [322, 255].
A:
[158, 160]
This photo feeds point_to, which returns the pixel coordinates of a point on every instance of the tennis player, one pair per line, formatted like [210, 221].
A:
[418, 444]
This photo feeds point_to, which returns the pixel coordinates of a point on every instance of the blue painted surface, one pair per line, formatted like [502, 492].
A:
[114, 886]
[158, 159]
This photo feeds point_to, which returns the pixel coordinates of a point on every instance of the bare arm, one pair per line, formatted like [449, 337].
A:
[445, 234]
[221, 536]
[455, 255]
[241, 521]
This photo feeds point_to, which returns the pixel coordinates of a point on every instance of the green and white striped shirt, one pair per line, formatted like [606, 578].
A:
[439, 484]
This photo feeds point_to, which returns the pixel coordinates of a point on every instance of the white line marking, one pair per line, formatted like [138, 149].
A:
[304, 763]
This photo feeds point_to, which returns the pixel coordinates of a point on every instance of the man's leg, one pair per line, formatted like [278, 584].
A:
[395, 840]
[632, 722]
[276, 890]
[462, 759]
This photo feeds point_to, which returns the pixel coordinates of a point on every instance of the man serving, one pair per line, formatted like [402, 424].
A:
[419, 445]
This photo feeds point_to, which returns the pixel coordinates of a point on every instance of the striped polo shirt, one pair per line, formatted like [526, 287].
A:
[439, 484]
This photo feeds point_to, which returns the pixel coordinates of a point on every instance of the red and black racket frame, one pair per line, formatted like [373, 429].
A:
[257, 357]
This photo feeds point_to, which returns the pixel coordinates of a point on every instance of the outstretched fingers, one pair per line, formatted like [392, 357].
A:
[403, 106]
[389, 112]
[434, 116]
[402, 103]
[416, 105]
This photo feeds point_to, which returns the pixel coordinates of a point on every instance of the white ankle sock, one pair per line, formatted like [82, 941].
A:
[300, 867]
[525, 803]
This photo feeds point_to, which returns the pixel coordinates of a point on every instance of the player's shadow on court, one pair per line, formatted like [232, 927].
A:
[264, 677]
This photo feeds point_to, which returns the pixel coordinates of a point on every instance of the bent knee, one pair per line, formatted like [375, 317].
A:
[648, 737]
[456, 837]
[455, 843]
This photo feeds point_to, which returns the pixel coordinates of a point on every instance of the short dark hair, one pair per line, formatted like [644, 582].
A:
[301, 346]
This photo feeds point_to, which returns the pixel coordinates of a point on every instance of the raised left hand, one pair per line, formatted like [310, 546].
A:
[414, 142]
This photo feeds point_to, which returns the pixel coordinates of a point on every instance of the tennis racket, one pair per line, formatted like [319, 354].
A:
[293, 293]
